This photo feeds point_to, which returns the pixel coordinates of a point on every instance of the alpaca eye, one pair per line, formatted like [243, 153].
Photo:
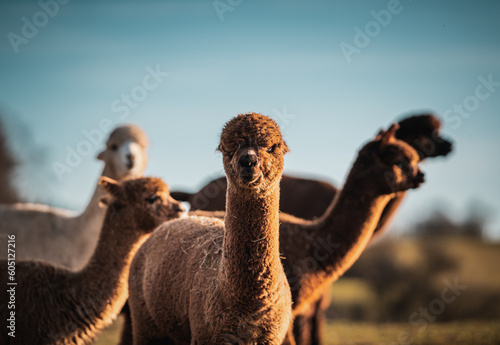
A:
[271, 149]
[152, 199]
[114, 147]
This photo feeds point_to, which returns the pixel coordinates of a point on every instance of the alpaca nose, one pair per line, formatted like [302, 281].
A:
[178, 207]
[446, 147]
[130, 160]
[419, 178]
[249, 159]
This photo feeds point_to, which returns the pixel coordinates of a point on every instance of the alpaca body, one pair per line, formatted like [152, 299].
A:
[54, 242]
[202, 249]
[206, 281]
[55, 305]
[64, 237]
[61, 308]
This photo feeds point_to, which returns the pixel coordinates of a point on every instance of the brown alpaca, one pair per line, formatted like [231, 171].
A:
[54, 305]
[318, 252]
[63, 237]
[204, 281]
[422, 133]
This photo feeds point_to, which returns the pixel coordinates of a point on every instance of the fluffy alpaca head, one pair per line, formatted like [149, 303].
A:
[387, 165]
[252, 149]
[125, 153]
[146, 201]
[422, 133]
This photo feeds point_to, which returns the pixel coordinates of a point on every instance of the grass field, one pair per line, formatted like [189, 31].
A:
[350, 333]
[453, 333]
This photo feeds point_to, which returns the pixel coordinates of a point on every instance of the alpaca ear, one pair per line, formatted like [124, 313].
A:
[379, 135]
[285, 147]
[102, 156]
[112, 187]
[389, 135]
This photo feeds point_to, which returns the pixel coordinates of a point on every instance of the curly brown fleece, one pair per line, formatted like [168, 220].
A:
[54, 305]
[204, 281]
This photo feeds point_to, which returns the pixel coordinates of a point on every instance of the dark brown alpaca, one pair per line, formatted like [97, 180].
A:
[318, 252]
[422, 133]
[200, 280]
[54, 305]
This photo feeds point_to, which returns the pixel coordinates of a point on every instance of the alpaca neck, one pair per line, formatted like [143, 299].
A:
[93, 211]
[251, 263]
[106, 274]
[87, 226]
[91, 218]
[347, 226]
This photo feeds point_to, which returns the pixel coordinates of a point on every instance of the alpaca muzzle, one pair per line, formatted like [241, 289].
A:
[418, 179]
[249, 166]
[130, 156]
[444, 148]
[178, 208]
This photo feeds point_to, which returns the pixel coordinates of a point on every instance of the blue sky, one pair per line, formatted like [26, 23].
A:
[264, 56]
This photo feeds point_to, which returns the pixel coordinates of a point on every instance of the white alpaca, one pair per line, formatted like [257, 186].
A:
[63, 237]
